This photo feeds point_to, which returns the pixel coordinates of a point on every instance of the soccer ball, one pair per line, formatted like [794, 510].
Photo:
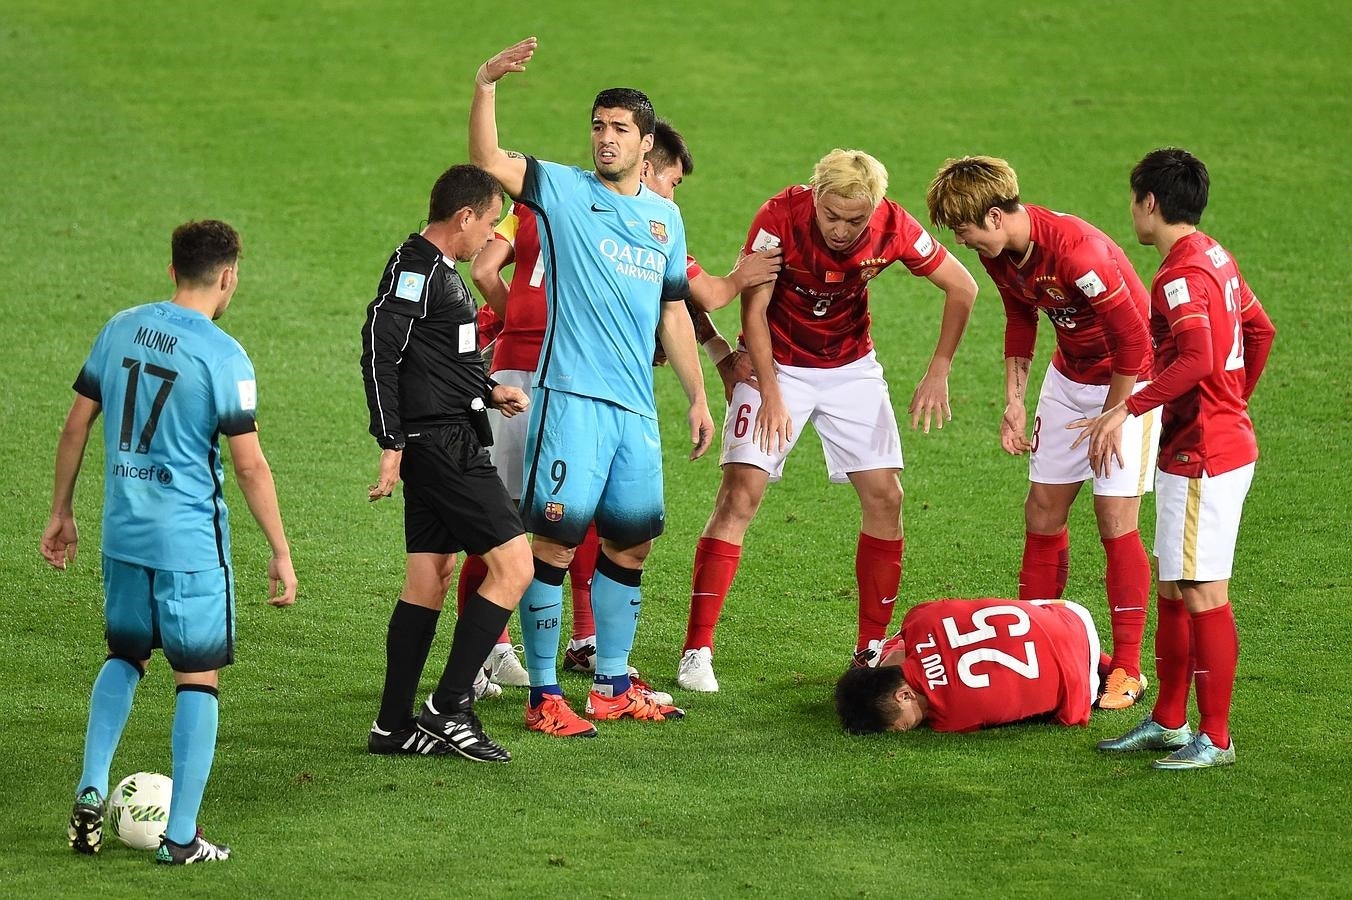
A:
[138, 809]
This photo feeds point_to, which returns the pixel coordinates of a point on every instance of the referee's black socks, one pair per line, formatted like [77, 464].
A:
[407, 642]
[476, 632]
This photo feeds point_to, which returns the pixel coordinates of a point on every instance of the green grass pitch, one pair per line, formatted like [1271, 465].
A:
[317, 130]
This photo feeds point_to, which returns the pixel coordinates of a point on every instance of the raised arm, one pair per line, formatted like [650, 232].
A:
[60, 537]
[484, 152]
[930, 400]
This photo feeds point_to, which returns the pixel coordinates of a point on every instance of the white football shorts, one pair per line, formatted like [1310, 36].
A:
[849, 407]
[509, 435]
[1061, 402]
[1197, 523]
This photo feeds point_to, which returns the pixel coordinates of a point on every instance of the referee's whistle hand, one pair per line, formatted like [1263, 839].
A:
[509, 400]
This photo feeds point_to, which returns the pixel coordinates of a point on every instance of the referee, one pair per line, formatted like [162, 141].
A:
[427, 392]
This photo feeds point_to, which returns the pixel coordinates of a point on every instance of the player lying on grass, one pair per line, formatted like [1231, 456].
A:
[960, 665]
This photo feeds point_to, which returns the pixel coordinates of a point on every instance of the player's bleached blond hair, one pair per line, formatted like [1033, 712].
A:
[965, 189]
[852, 174]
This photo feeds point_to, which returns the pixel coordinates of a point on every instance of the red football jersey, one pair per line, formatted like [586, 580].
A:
[1079, 277]
[523, 332]
[991, 662]
[1208, 428]
[818, 313]
[489, 325]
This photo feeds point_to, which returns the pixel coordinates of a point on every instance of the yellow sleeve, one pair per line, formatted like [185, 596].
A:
[507, 228]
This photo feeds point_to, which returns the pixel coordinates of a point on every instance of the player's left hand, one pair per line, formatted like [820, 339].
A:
[735, 369]
[930, 402]
[701, 428]
[388, 476]
[757, 268]
[59, 541]
[509, 400]
[513, 59]
[1104, 433]
[281, 581]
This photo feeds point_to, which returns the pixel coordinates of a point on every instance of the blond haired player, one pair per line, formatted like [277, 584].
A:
[808, 338]
[1077, 275]
[1213, 339]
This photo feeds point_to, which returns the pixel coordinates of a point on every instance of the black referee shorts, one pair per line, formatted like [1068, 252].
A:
[453, 497]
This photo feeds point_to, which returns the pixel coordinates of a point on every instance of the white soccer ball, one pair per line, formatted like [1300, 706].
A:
[138, 809]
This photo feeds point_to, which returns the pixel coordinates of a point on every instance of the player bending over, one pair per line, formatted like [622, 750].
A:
[1077, 275]
[808, 338]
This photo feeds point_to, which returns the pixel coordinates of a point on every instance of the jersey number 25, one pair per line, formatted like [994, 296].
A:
[982, 632]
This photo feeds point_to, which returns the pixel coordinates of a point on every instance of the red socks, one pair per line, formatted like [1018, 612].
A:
[1173, 663]
[1128, 578]
[473, 571]
[1046, 565]
[580, 577]
[715, 567]
[1216, 643]
[877, 567]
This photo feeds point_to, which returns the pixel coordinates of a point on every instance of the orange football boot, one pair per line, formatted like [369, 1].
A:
[632, 704]
[554, 716]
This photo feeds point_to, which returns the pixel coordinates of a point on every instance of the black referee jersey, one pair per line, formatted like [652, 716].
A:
[420, 349]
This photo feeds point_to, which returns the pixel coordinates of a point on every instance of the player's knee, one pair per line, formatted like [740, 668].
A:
[1042, 515]
[1116, 515]
[511, 566]
[627, 557]
[737, 504]
[141, 665]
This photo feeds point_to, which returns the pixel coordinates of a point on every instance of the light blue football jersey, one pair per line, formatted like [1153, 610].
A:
[170, 383]
[610, 260]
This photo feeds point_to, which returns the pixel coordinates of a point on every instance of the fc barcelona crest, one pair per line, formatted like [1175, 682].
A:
[554, 511]
[659, 229]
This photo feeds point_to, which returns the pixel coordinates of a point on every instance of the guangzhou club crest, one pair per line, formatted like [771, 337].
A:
[868, 274]
[659, 229]
[554, 511]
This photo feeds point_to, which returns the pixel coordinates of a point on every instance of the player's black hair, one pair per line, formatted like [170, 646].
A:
[1178, 180]
[199, 250]
[631, 99]
[865, 701]
[669, 148]
[460, 187]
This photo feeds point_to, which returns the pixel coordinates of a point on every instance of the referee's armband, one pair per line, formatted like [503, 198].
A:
[389, 442]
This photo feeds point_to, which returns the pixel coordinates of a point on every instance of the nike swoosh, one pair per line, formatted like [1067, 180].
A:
[547, 606]
[887, 600]
[1128, 609]
[635, 602]
[596, 208]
